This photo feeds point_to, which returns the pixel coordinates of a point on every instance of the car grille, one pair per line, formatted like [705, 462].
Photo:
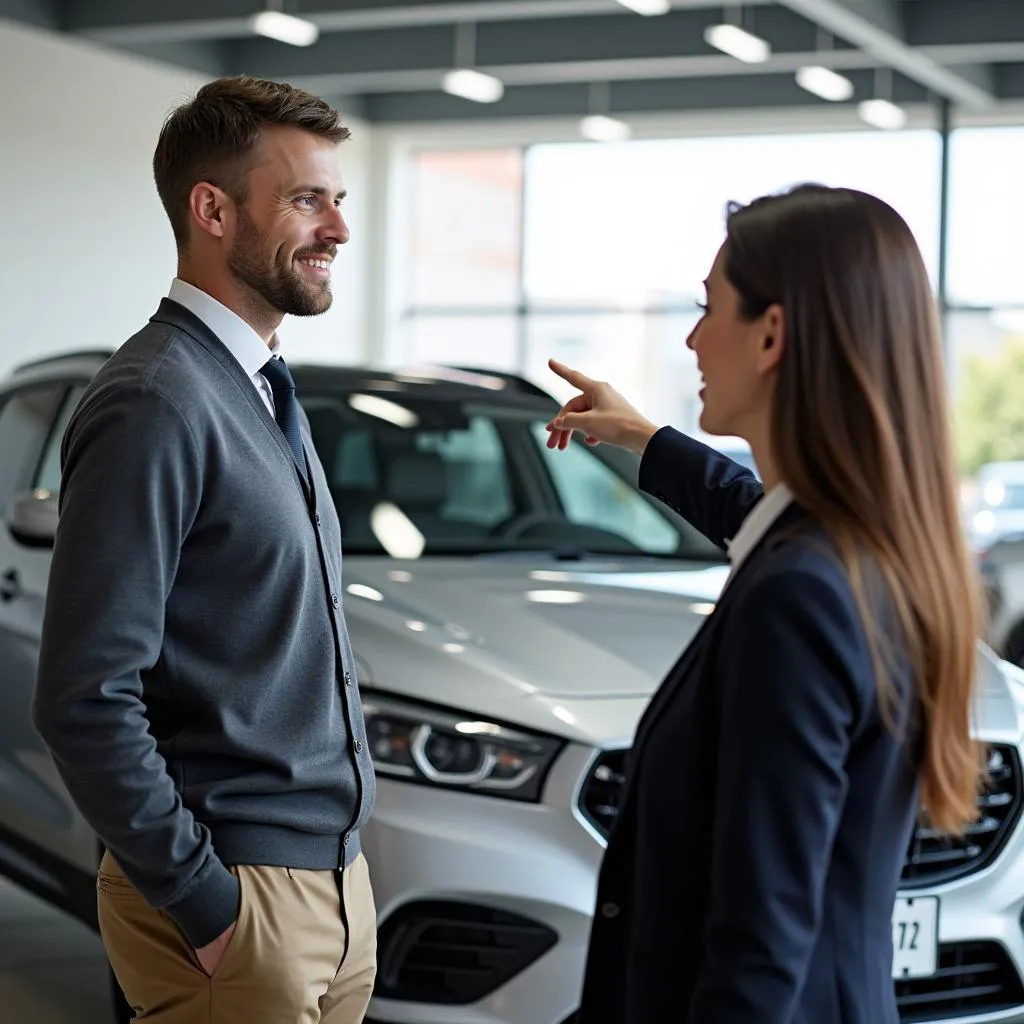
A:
[599, 798]
[454, 953]
[972, 978]
[931, 857]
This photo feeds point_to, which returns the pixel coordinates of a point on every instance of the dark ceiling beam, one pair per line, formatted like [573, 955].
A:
[40, 13]
[207, 56]
[700, 69]
[406, 49]
[875, 26]
[644, 48]
[1010, 51]
[128, 21]
[571, 100]
[980, 21]
[510, 44]
[389, 50]
[1011, 81]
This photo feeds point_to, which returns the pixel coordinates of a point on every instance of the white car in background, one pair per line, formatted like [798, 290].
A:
[998, 509]
[512, 610]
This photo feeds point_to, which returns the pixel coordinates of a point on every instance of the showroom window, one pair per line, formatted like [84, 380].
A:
[986, 217]
[462, 283]
[636, 225]
[467, 207]
[985, 323]
[594, 254]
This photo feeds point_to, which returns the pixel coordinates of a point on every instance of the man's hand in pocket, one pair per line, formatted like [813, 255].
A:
[212, 953]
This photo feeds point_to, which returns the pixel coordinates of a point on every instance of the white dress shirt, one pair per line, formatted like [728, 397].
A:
[758, 522]
[251, 351]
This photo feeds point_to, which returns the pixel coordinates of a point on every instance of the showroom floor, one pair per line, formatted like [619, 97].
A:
[52, 969]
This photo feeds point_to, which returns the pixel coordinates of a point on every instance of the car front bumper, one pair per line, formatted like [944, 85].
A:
[436, 854]
[981, 946]
[433, 853]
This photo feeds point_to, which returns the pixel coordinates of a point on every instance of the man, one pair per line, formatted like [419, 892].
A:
[196, 683]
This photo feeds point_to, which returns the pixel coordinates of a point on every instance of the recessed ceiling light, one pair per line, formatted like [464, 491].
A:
[285, 28]
[882, 114]
[738, 43]
[647, 7]
[600, 128]
[824, 82]
[473, 85]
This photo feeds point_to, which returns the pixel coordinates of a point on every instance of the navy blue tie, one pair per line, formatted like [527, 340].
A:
[286, 408]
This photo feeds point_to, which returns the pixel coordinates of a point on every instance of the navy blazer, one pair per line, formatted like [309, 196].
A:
[767, 810]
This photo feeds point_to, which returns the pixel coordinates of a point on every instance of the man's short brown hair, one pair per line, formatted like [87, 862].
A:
[212, 138]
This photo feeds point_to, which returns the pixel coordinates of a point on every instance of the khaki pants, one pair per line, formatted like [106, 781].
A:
[304, 950]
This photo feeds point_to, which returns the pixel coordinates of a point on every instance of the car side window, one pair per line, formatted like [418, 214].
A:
[48, 476]
[26, 418]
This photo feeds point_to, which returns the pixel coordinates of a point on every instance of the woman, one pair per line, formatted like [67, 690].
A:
[777, 774]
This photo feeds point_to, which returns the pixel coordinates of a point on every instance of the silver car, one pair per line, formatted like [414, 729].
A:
[512, 610]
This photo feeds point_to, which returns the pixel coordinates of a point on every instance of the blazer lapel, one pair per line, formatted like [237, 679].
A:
[676, 677]
[684, 669]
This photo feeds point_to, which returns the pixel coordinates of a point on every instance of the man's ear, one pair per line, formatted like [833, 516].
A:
[208, 205]
[773, 338]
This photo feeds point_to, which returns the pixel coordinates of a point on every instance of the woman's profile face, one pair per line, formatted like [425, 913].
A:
[733, 358]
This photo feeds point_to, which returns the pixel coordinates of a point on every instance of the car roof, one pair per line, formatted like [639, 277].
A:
[83, 363]
[452, 383]
[1009, 471]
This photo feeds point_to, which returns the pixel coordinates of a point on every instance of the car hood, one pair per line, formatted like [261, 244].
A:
[523, 640]
[572, 649]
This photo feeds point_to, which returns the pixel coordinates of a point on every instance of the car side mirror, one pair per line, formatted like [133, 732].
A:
[32, 518]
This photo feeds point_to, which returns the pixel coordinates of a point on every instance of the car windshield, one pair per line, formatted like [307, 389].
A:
[415, 476]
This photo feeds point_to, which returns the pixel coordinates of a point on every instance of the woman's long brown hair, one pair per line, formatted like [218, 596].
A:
[861, 434]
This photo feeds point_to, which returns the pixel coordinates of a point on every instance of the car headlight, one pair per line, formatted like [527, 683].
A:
[433, 746]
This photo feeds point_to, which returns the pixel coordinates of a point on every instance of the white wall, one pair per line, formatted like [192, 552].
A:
[85, 248]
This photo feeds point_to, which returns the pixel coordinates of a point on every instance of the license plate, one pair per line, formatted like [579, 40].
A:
[915, 937]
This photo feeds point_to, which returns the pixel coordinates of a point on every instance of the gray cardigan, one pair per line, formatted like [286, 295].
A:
[196, 683]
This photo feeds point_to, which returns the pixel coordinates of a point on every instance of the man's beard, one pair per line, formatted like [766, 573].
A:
[281, 287]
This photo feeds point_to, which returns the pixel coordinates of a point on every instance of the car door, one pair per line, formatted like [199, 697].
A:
[34, 804]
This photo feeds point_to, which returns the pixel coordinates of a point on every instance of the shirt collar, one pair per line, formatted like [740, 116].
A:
[234, 333]
[758, 522]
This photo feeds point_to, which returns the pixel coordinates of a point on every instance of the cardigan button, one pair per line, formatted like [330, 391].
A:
[610, 910]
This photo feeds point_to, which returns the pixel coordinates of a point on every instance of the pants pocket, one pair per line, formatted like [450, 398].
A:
[153, 962]
[237, 942]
